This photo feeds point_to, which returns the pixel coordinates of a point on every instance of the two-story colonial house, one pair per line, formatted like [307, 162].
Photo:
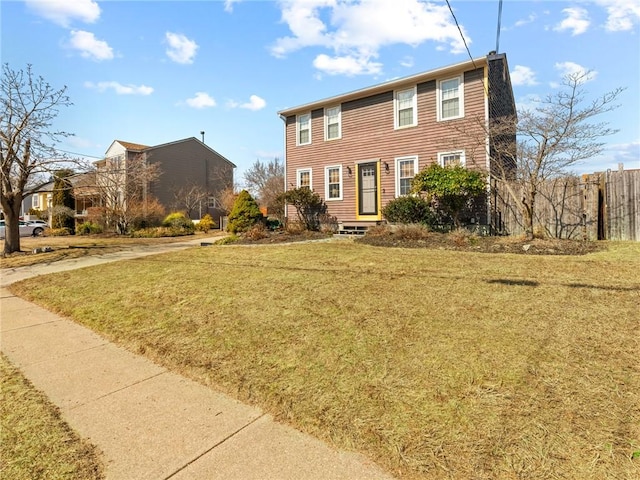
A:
[359, 150]
[184, 165]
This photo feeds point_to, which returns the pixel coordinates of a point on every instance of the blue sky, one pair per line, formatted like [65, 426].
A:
[152, 72]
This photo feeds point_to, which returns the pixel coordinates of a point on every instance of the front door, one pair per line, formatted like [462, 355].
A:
[368, 189]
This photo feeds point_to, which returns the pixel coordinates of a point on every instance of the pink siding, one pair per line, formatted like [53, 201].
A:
[368, 134]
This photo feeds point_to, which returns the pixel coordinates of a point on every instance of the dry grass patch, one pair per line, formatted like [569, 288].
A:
[36, 442]
[437, 364]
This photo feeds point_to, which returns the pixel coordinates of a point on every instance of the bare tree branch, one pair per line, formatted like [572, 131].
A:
[28, 153]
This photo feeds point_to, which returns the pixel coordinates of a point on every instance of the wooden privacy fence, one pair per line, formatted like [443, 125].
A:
[598, 206]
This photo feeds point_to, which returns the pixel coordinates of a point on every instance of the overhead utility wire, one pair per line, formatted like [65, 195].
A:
[80, 154]
[461, 34]
[484, 85]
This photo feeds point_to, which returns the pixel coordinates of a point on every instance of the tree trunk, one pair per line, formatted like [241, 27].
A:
[529, 209]
[11, 229]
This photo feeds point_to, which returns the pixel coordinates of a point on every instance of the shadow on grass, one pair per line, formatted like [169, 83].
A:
[611, 288]
[517, 283]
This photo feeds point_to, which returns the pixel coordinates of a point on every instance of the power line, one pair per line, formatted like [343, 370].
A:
[79, 154]
[461, 34]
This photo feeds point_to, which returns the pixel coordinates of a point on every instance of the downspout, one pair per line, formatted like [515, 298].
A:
[488, 143]
[284, 119]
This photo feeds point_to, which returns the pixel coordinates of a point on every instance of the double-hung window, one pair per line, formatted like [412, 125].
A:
[406, 168]
[303, 178]
[333, 182]
[303, 129]
[332, 123]
[450, 99]
[451, 158]
[406, 111]
[35, 200]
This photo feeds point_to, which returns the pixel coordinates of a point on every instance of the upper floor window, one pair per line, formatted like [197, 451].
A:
[406, 168]
[333, 182]
[303, 123]
[35, 200]
[212, 202]
[332, 122]
[303, 178]
[450, 98]
[406, 111]
[451, 158]
[115, 163]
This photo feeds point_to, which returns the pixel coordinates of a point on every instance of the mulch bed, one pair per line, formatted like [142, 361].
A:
[448, 242]
[487, 244]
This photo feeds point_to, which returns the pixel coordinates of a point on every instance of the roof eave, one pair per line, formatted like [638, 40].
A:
[386, 86]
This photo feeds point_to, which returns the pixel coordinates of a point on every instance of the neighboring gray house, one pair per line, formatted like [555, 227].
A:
[192, 174]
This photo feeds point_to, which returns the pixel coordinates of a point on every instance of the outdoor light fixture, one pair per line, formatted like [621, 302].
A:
[386, 167]
[349, 170]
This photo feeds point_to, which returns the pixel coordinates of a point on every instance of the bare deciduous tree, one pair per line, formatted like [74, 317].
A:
[189, 198]
[551, 139]
[265, 181]
[28, 153]
[122, 186]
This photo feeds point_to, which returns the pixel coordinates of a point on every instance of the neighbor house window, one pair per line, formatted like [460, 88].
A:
[405, 108]
[303, 123]
[450, 99]
[303, 178]
[333, 129]
[451, 159]
[333, 182]
[35, 201]
[406, 168]
[115, 163]
[212, 202]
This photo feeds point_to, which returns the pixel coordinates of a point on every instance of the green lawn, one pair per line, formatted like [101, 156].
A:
[35, 442]
[436, 364]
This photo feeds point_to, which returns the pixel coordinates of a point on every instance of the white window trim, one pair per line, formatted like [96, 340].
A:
[460, 97]
[35, 201]
[302, 170]
[298, 128]
[415, 170]
[326, 182]
[326, 123]
[463, 161]
[395, 108]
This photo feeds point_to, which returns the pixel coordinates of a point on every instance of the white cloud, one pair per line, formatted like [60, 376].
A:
[347, 65]
[228, 5]
[89, 46]
[530, 19]
[622, 14]
[626, 153]
[201, 100]
[407, 62]
[62, 12]
[570, 69]
[255, 103]
[528, 103]
[522, 75]
[181, 49]
[119, 88]
[577, 21]
[355, 30]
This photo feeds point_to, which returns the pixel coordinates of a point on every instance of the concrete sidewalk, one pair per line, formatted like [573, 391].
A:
[149, 422]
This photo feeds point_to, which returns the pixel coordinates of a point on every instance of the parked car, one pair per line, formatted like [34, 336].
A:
[27, 229]
[38, 222]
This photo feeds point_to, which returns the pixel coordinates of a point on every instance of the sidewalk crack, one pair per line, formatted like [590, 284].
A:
[197, 457]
